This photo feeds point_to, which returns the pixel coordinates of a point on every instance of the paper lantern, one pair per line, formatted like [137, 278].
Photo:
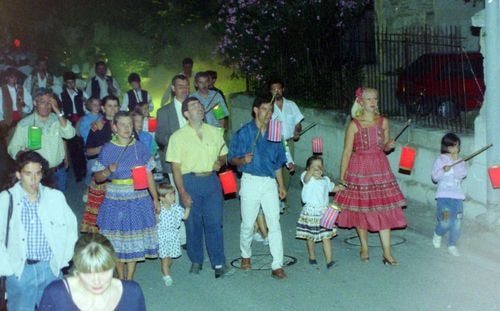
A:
[228, 181]
[329, 217]
[218, 112]
[274, 131]
[17, 43]
[152, 125]
[407, 159]
[494, 173]
[140, 177]
[34, 138]
[317, 145]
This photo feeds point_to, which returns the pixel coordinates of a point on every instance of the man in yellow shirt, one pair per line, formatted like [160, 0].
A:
[197, 151]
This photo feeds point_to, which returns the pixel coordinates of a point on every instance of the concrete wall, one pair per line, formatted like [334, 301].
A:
[417, 186]
[396, 14]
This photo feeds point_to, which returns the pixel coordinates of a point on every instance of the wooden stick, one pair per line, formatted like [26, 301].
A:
[310, 126]
[470, 156]
[407, 124]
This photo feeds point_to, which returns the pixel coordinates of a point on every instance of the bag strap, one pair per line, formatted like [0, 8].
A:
[9, 215]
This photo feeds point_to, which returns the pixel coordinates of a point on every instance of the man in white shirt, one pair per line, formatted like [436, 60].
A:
[102, 85]
[187, 71]
[169, 120]
[15, 102]
[136, 95]
[290, 116]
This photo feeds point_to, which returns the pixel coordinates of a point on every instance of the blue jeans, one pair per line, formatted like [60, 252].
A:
[61, 178]
[205, 218]
[25, 293]
[449, 216]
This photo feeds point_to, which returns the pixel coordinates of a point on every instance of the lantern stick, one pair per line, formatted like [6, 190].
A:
[338, 181]
[470, 156]
[407, 124]
[310, 126]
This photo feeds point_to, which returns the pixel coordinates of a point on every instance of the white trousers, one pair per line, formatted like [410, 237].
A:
[256, 192]
[182, 230]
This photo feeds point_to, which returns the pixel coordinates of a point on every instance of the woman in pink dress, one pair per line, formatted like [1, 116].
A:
[372, 201]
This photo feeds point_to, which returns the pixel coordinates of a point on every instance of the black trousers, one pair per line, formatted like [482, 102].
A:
[77, 157]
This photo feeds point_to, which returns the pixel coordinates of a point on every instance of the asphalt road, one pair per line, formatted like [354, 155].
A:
[427, 279]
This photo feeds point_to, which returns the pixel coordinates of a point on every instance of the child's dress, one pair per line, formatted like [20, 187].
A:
[169, 222]
[315, 198]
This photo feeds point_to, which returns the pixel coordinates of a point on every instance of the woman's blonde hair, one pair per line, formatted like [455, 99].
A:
[357, 108]
[94, 253]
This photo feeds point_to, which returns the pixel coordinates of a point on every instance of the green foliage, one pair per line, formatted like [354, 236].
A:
[298, 40]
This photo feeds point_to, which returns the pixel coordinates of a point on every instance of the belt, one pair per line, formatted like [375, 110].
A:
[203, 173]
[129, 181]
[32, 261]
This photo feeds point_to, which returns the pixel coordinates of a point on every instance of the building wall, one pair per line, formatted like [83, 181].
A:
[417, 186]
[397, 14]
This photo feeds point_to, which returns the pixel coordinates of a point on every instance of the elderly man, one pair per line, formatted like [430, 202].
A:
[41, 236]
[261, 162]
[54, 127]
[196, 152]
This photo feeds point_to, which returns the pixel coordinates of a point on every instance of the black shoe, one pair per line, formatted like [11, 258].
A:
[331, 264]
[195, 268]
[223, 271]
[313, 262]
[184, 246]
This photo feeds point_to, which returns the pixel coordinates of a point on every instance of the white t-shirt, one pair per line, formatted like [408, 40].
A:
[315, 191]
[289, 116]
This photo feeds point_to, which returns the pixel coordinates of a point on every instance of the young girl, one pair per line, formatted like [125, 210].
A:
[449, 195]
[316, 188]
[169, 222]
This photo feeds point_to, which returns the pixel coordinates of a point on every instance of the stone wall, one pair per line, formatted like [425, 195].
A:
[417, 186]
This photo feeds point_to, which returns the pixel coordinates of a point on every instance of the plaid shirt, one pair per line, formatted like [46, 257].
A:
[38, 246]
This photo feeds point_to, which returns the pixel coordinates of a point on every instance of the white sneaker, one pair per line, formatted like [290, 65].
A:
[85, 198]
[257, 237]
[168, 280]
[453, 251]
[436, 240]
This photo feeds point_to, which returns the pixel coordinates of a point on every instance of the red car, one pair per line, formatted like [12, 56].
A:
[442, 84]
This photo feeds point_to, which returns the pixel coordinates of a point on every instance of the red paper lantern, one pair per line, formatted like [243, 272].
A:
[494, 173]
[17, 43]
[407, 159]
[317, 144]
[228, 181]
[152, 125]
[140, 177]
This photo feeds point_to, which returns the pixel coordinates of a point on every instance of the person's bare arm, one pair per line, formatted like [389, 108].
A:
[179, 183]
[348, 145]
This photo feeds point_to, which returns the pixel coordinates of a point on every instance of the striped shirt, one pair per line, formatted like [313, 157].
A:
[37, 245]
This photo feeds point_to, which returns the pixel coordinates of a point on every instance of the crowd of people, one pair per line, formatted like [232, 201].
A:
[131, 215]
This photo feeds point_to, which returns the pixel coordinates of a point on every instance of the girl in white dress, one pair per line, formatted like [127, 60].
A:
[169, 222]
[315, 190]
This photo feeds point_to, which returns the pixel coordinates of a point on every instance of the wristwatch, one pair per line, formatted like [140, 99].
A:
[60, 114]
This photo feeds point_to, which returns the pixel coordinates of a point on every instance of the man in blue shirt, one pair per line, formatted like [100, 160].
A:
[261, 162]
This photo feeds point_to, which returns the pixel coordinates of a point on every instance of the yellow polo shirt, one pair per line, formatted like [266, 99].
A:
[194, 154]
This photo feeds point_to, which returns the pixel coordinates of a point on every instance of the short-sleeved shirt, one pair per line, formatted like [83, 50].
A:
[315, 191]
[213, 98]
[268, 156]
[289, 116]
[194, 154]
